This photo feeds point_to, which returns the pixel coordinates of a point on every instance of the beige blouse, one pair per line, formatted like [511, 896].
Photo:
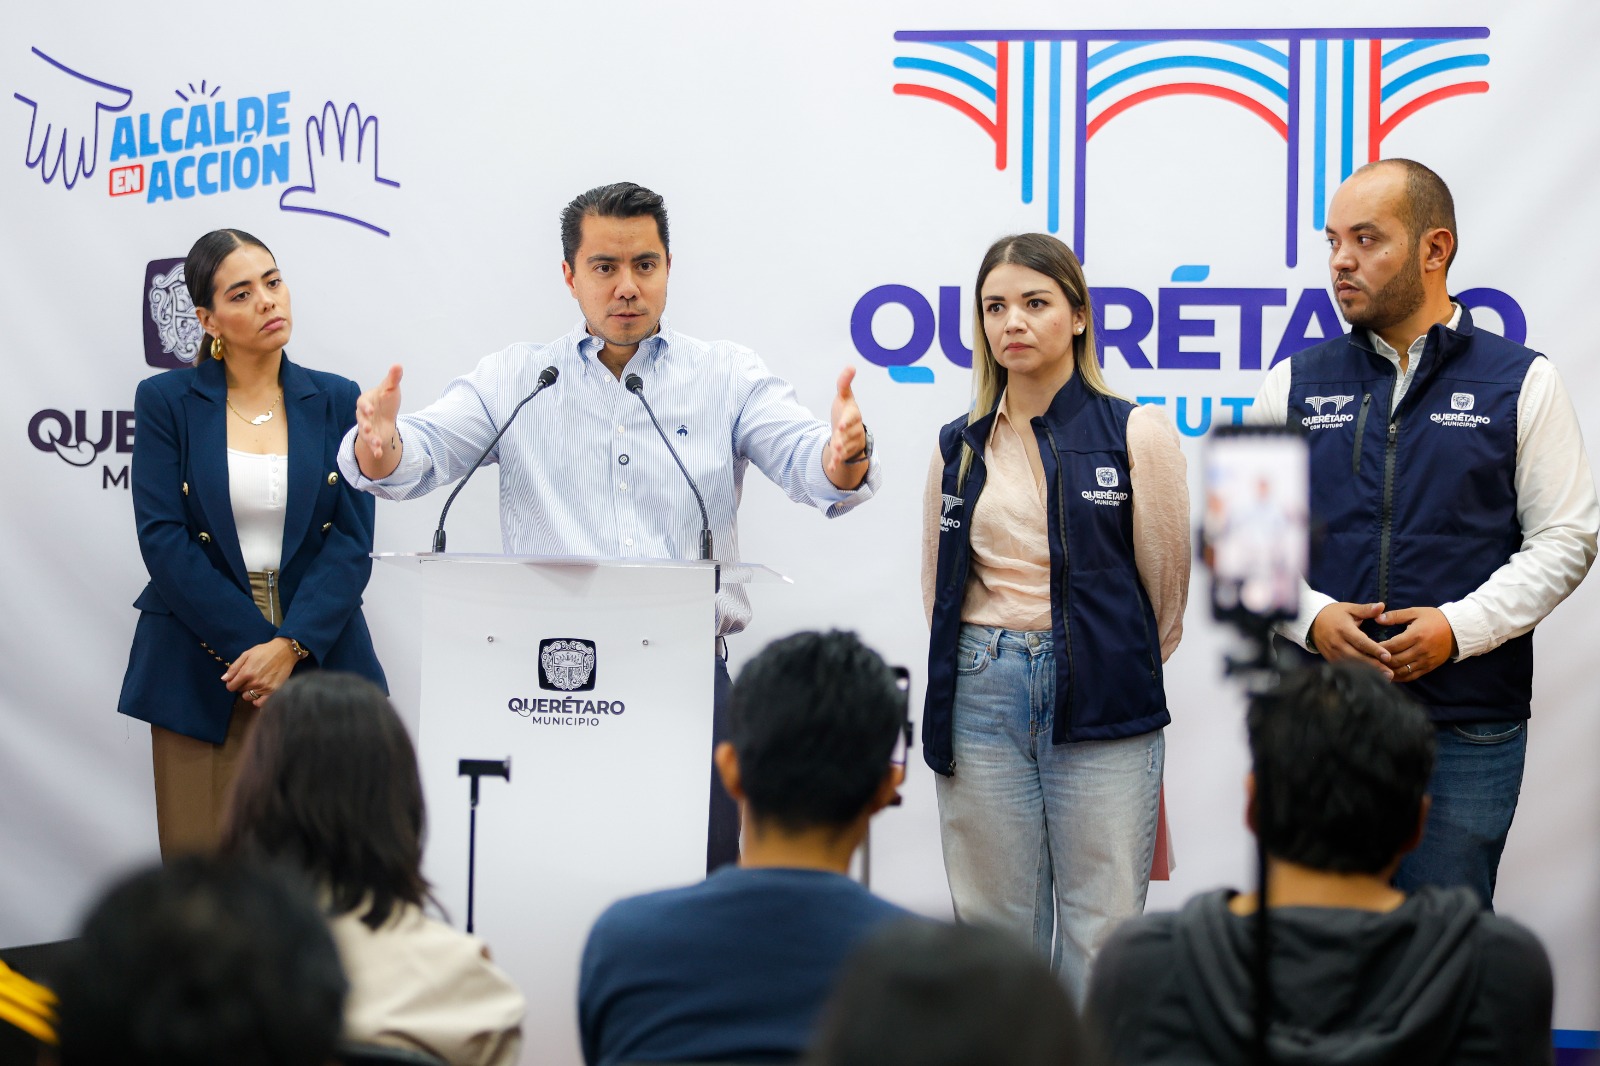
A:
[417, 983]
[1008, 583]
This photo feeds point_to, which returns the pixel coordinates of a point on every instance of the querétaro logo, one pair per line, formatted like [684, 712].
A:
[1319, 404]
[1324, 101]
[1462, 401]
[946, 522]
[172, 333]
[1106, 476]
[210, 143]
[1344, 89]
[567, 664]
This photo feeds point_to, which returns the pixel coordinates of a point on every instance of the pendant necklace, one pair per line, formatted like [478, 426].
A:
[258, 419]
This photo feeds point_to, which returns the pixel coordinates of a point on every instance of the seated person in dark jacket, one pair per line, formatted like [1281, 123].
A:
[1358, 972]
[738, 966]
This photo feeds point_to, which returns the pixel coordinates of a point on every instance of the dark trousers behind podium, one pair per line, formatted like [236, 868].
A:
[722, 837]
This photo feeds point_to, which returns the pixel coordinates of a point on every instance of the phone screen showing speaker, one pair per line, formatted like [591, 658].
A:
[1254, 530]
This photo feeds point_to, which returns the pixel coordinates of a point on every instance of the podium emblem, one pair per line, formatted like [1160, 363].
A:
[566, 664]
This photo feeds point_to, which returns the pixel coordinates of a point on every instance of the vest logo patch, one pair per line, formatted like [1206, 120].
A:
[1327, 412]
[1105, 497]
[1461, 401]
[1459, 419]
[947, 523]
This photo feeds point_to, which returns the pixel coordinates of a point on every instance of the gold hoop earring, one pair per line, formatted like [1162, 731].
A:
[217, 347]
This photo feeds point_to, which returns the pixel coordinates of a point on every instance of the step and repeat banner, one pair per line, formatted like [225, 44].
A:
[833, 173]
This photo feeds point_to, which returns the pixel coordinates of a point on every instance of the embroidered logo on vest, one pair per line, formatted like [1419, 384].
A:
[947, 523]
[1324, 418]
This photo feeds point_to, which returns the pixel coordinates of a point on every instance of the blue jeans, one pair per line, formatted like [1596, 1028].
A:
[1050, 841]
[1475, 785]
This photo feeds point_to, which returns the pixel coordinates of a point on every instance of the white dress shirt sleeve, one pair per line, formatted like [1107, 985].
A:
[439, 443]
[1559, 515]
[785, 440]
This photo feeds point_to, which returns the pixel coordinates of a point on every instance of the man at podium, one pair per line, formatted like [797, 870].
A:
[643, 424]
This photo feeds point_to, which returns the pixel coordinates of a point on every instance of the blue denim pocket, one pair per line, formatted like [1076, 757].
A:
[1489, 732]
[972, 653]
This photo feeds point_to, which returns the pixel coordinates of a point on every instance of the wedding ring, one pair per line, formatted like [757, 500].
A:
[253, 694]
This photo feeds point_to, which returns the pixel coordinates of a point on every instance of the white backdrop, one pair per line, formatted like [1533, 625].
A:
[799, 179]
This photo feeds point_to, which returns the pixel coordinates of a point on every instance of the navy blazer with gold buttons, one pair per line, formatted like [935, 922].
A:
[197, 613]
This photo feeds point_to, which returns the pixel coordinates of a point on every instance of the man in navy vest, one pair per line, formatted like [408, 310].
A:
[1449, 475]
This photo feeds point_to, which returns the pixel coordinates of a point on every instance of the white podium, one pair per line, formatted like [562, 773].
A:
[595, 677]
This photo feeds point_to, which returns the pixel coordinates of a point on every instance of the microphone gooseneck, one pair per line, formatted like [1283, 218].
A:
[634, 384]
[547, 377]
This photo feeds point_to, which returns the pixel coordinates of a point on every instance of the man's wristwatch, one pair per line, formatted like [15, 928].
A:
[866, 452]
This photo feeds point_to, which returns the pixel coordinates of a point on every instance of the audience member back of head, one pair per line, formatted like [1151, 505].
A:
[202, 962]
[736, 968]
[925, 994]
[1360, 973]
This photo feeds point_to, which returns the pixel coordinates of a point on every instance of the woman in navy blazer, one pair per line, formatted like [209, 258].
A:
[215, 640]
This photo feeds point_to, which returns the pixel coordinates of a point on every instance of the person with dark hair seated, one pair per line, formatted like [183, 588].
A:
[928, 994]
[329, 784]
[202, 962]
[1358, 972]
[737, 967]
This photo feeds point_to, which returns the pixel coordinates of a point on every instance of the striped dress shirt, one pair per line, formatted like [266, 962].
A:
[582, 471]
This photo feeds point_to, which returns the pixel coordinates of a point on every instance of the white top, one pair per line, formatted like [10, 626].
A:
[256, 485]
[1556, 507]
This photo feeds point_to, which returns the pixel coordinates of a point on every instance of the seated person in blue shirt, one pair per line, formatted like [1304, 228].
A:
[583, 471]
[737, 968]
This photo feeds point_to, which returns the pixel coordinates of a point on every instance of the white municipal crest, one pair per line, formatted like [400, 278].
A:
[1106, 476]
[1462, 401]
[172, 311]
[568, 664]
[1319, 404]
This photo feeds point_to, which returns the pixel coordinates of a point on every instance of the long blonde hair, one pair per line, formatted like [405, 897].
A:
[1052, 258]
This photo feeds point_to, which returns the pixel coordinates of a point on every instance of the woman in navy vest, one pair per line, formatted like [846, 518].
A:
[1055, 572]
[257, 551]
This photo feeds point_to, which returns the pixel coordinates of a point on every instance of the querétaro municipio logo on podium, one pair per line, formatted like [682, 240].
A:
[567, 664]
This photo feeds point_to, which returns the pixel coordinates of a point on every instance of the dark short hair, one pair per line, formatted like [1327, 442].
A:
[328, 782]
[930, 994]
[1346, 757]
[813, 719]
[200, 962]
[1427, 203]
[623, 199]
[200, 268]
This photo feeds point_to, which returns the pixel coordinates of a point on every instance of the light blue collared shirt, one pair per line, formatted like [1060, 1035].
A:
[582, 471]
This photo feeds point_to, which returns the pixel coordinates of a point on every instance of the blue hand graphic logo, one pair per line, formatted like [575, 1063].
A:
[342, 152]
[64, 134]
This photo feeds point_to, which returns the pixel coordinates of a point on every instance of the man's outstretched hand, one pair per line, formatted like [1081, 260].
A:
[377, 440]
[849, 438]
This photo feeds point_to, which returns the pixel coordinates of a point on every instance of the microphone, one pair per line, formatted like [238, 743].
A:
[636, 386]
[547, 377]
